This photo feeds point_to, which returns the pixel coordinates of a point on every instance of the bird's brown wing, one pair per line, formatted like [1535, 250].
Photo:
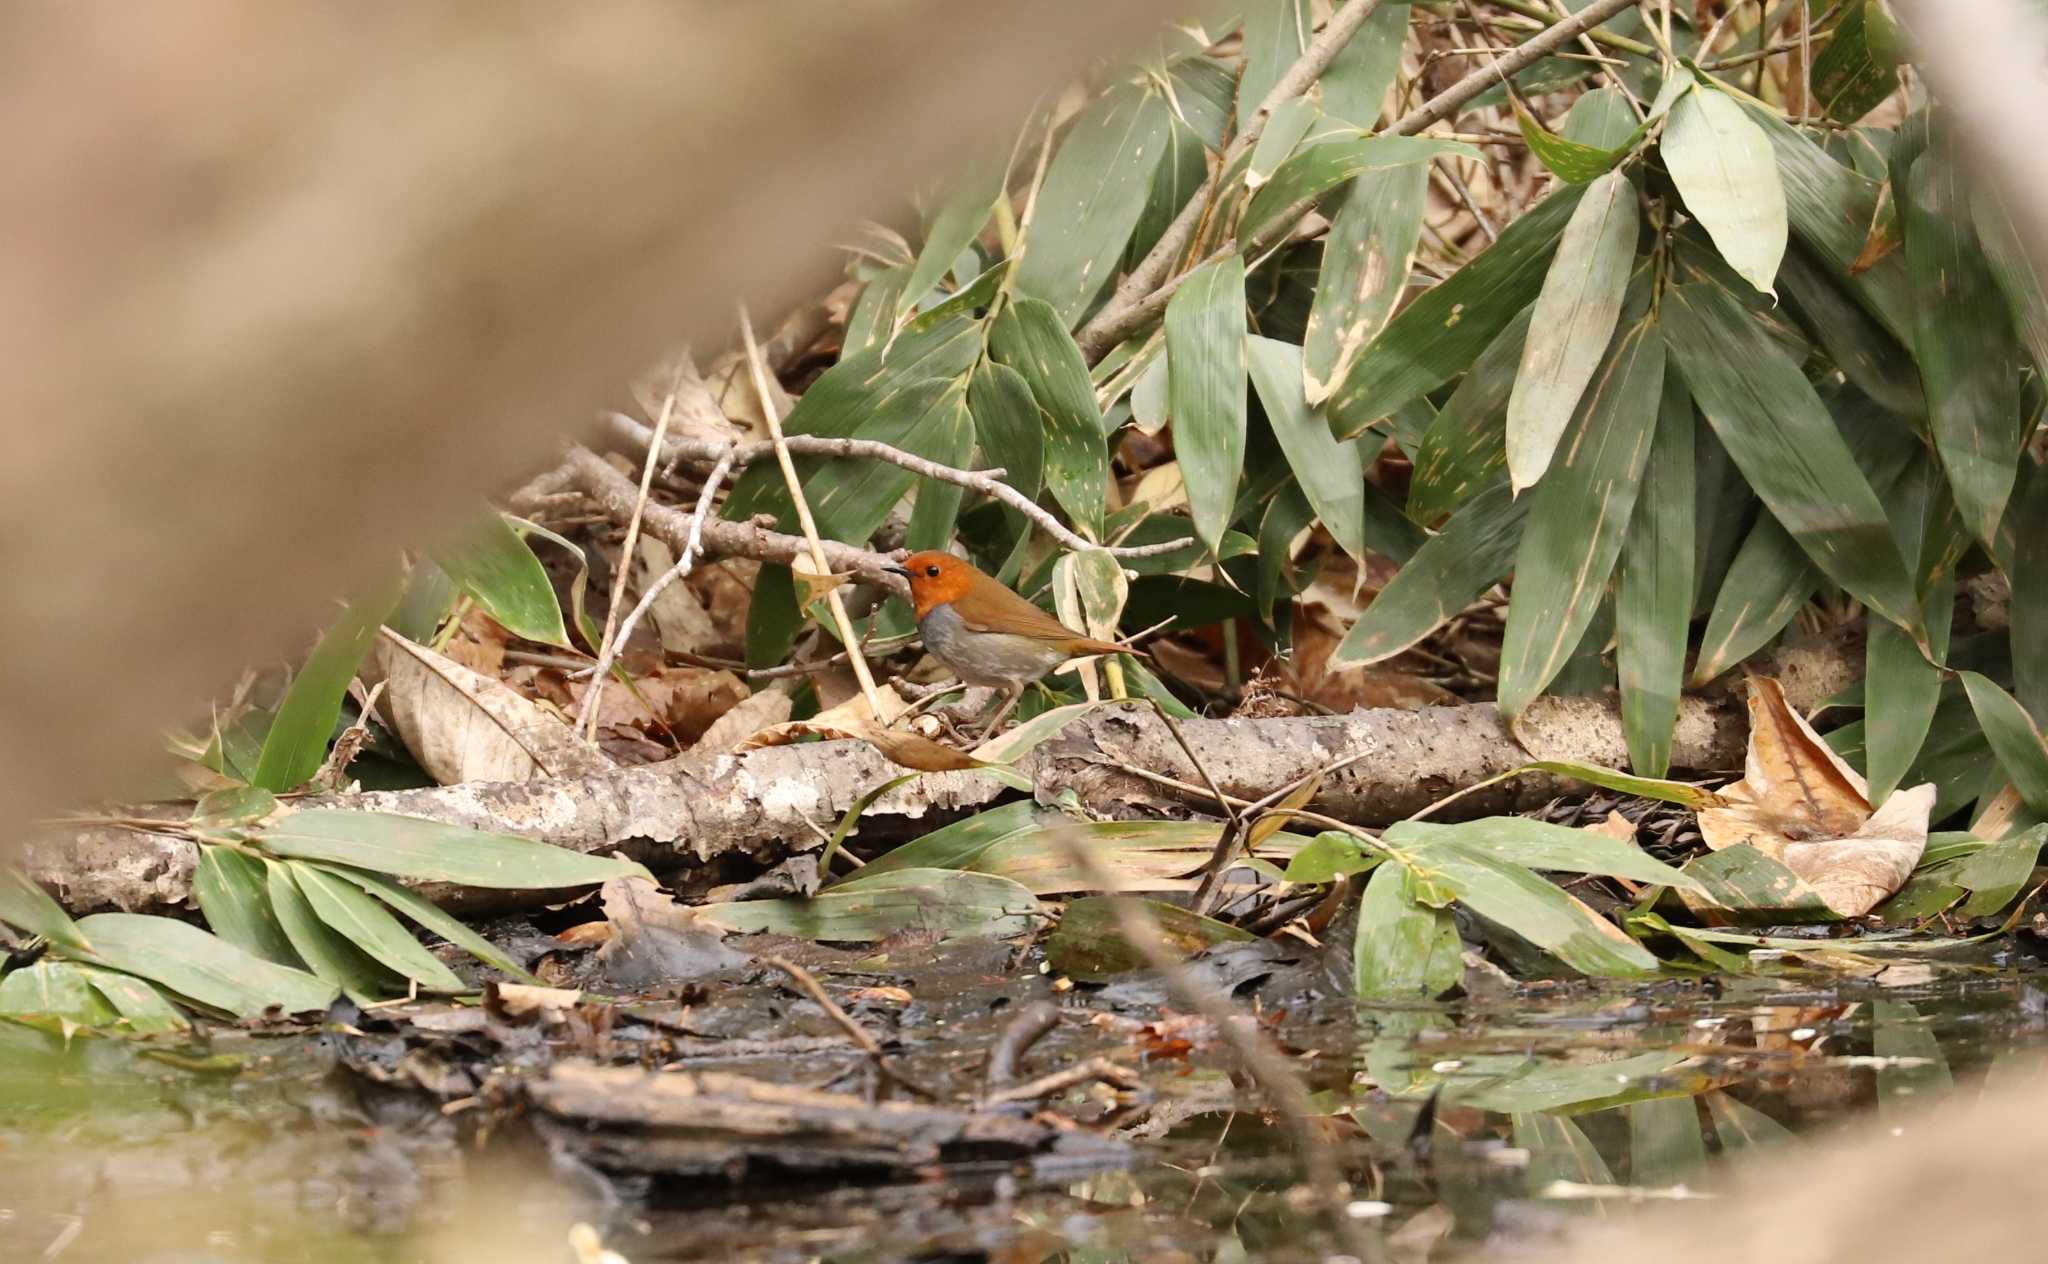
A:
[997, 609]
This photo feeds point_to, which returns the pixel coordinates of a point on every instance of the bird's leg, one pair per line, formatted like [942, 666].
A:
[1002, 713]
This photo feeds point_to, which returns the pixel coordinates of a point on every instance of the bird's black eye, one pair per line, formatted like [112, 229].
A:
[932, 571]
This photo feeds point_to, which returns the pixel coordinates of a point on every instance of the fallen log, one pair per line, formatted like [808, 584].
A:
[685, 820]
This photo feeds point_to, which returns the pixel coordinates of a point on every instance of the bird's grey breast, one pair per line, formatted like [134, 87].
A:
[986, 658]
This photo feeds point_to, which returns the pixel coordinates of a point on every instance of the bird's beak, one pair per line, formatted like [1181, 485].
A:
[897, 570]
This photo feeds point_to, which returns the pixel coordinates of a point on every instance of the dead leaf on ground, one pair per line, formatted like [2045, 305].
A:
[680, 619]
[1306, 671]
[479, 643]
[684, 701]
[654, 940]
[767, 708]
[1801, 805]
[855, 720]
[1616, 826]
[463, 726]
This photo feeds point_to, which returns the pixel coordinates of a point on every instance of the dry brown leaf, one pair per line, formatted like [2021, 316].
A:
[1616, 826]
[462, 726]
[479, 643]
[684, 701]
[1799, 804]
[1306, 672]
[767, 708]
[2000, 815]
[680, 620]
[522, 1001]
[654, 940]
[842, 720]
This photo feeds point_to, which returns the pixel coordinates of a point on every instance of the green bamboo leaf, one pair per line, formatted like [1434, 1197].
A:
[1738, 1127]
[1518, 840]
[1571, 325]
[1601, 119]
[1094, 191]
[1149, 408]
[1579, 515]
[873, 319]
[1723, 165]
[1653, 587]
[137, 1001]
[1183, 166]
[1859, 66]
[2028, 572]
[851, 497]
[1403, 948]
[1089, 945]
[297, 741]
[1783, 439]
[1900, 690]
[1474, 549]
[1466, 445]
[1558, 1151]
[1284, 130]
[954, 227]
[1008, 425]
[1275, 33]
[936, 506]
[412, 847]
[1516, 898]
[1029, 337]
[2014, 739]
[1321, 165]
[1205, 351]
[1366, 258]
[2013, 271]
[1355, 86]
[192, 963]
[1569, 160]
[1870, 357]
[431, 917]
[29, 909]
[54, 989]
[494, 566]
[936, 901]
[1437, 336]
[1542, 1083]
[1997, 873]
[1913, 1071]
[351, 913]
[327, 951]
[234, 895]
[1203, 95]
[1963, 337]
[1328, 857]
[1743, 883]
[1331, 474]
[1767, 583]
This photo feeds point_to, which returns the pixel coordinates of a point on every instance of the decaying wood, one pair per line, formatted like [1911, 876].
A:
[760, 805]
[710, 1124]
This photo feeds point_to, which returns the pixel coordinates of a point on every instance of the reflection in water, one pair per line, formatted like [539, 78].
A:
[1464, 1127]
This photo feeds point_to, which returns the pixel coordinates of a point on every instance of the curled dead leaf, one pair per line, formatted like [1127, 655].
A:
[1800, 805]
[463, 726]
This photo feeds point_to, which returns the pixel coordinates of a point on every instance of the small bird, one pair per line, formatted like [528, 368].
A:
[987, 634]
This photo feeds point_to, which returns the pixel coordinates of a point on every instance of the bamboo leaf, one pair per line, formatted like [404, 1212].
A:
[430, 916]
[1573, 318]
[1654, 585]
[1998, 873]
[1094, 191]
[1533, 844]
[137, 1001]
[1275, 32]
[2028, 572]
[1665, 1144]
[1516, 898]
[1403, 948]
[1569, 160]
[1467, 442]
[1355, 86]
[413, 847]
[1859, 66]
[1868, 355]
[1331, 474]
[1284, 130]
[1205, 351]
[1832, 207]
[1321, 165]
[29, 909]
[1769, 580]
[1601, 119]
[1183, 167]
[297, 741]
[233, 893]
[1579, 515]
[954, 227]
[351, 913]
[194, 964]
[1901, 688]
[494, 566]
[1029, 337]
[2013, 271]
[2014, 739]
[1963, 338]
[1474, 549]
[1437, 336]
[327, 951]
[1366, 258]
[1723, 165]
[1008, 425]
[1783, 439]
[56, 990]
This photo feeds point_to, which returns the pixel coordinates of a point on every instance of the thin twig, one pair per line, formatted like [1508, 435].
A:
[816, 991]
[987, 482]
[1443, 169]
[1279, 1081]
[692, 544]
[833, 600]
[1093, 1070]
[1025, 1030]
[1108, 326]
[606, 644]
